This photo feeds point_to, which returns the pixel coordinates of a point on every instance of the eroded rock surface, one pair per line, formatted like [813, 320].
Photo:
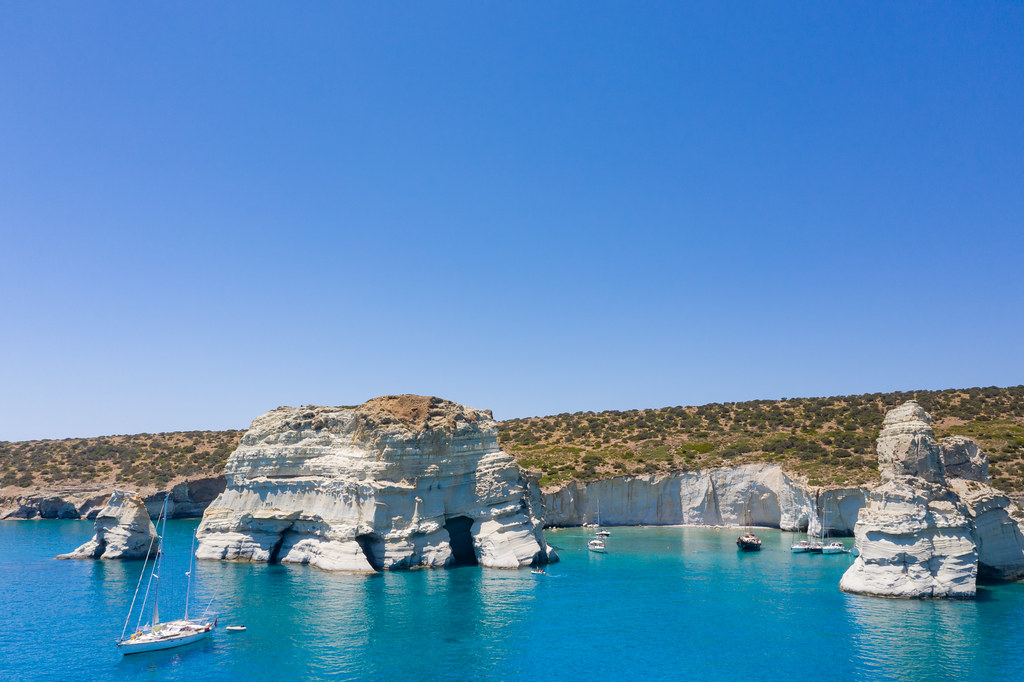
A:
[963, 458]
[123, 530]
[398, 482]
[914, 537]
[186, 499]
[709, 497]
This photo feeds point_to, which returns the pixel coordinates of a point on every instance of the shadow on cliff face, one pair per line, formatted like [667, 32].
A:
[373, 548]
[275, 551]
[461, 540]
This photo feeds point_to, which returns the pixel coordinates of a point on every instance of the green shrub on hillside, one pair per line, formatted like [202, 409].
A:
[831, 440]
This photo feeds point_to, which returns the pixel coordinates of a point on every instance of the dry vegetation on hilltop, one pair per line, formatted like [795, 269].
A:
[145, 460]
[827, 441]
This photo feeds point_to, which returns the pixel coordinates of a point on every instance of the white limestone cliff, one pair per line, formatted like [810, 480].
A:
[708, 497]
[123, 530]
[914, 537]
[997, 531]
[398, 482]
[185, 499]
[963, 458]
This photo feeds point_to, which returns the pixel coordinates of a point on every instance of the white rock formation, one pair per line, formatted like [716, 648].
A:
[963, 458]
[906, 446]
[997, 531]
[709, 497]
[914, 538]
[123, 530]
[397, 482]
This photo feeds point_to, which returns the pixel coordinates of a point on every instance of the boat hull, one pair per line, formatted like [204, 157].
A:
[129, 647]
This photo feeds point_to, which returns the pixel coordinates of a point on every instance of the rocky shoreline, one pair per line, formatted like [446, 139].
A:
[188, 499]
[706, 497]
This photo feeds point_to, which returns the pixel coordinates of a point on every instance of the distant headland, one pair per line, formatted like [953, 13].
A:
[820, 443]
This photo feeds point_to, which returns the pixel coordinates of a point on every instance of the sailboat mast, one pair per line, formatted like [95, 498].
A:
[188, 583]
[138, 585]
[159, 564]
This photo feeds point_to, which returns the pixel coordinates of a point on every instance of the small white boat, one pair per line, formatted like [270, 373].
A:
[235, 628]
[806, 547]
[597, 546]
[603, 533]
[834, 547]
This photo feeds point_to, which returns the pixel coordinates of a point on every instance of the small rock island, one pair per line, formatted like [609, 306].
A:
[934, 523]
[123, 530]
[398, 482]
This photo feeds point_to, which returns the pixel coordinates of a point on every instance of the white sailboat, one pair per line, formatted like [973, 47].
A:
[601, 533]
[156, 635]
[809, 545]
[833, 547]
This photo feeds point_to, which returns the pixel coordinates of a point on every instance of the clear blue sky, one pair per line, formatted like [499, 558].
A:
[208, 210]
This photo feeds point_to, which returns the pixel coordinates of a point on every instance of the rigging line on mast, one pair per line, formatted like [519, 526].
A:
[156, 564]
[138, 585]
[188, 585]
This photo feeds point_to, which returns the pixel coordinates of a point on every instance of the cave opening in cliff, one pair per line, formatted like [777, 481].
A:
[373, 549]
[460, 539]
[275, 551]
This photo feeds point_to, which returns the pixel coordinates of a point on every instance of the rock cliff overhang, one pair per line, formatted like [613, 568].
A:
[397, 482]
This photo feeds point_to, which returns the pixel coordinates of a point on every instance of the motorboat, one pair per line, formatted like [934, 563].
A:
[597, 545]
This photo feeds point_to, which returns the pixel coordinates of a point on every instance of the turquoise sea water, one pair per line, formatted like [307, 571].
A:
[664, 603]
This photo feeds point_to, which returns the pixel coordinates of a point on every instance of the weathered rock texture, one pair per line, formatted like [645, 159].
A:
[709, 497]
[123, 531]
[997, 532]
[923, 532]
[400, 481]
[187, 499]
[963, 458]
[71, 504]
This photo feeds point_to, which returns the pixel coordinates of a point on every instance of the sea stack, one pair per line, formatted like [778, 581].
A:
[397, 482]
[914, 537]
[123, 530]
[997, 532]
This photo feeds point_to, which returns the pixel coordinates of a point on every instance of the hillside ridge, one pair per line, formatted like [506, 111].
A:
[826, 441]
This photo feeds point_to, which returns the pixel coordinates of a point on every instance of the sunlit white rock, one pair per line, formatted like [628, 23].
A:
[708, 497]
[914, 538]
[400, 481]
[123, 530]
